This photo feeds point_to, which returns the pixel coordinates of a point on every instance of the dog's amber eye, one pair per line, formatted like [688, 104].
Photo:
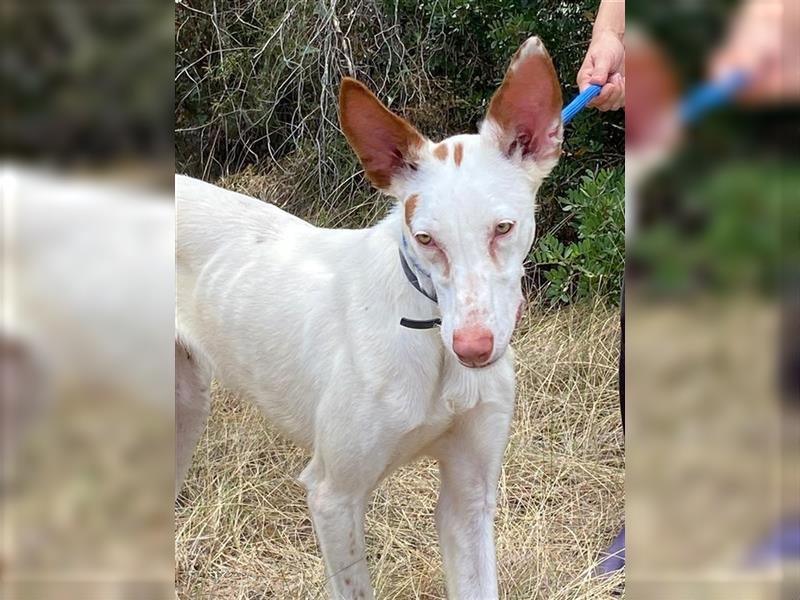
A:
[423, 238]
[503, 227]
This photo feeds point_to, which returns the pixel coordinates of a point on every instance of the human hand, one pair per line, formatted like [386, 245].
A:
[605, 65]
[757, 45]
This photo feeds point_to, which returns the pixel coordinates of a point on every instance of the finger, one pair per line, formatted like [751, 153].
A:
[616, 78]
[739, 58]
[602, 65]
[603, 96]
[607, 106]
[621, 86]
[762, 88]
[584, 75]
[583, 81]
[613, 98]
[725, 63]
[617, 100]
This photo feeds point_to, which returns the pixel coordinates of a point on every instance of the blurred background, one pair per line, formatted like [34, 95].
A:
[86, 377]
[712, 371]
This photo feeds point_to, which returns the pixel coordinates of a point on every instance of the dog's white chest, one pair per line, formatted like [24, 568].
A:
[459, 391]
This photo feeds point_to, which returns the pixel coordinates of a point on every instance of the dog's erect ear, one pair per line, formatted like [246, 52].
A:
[524, 116]
[387, 145]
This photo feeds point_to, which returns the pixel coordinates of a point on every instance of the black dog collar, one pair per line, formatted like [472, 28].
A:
[414, 280]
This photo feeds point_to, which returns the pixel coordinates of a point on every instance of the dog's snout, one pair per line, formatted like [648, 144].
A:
[473, 345]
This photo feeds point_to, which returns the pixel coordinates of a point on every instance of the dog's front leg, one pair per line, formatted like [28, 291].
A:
[469, 456]
[337, 512]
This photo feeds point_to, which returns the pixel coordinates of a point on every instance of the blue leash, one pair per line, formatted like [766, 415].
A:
[580, 102]
[707, 96]
[696, 104]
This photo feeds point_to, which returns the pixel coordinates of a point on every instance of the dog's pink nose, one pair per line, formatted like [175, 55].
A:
[473, 345]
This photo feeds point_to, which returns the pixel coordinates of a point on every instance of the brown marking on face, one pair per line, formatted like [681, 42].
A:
[440, 151]
[493, 249]
[458, 153]
[347, 581]
[410, 207]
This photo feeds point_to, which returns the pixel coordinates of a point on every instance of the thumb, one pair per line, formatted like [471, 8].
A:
[584, 77]
[602, 65]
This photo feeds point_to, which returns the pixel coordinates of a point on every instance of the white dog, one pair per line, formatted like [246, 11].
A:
[306, 322]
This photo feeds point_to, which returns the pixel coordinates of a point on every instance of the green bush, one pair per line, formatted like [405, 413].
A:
[728, 228]
[591, 264]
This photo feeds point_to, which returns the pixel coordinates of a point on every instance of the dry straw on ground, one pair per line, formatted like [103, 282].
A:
[243, 531]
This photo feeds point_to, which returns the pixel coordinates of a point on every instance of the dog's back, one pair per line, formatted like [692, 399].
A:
[211, 219]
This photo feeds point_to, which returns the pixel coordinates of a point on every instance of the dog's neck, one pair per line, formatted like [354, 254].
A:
[413, 304]
[416, 274]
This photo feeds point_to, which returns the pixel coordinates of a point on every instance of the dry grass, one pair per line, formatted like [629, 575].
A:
[243, 531]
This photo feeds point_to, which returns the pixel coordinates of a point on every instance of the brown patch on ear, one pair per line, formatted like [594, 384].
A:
[528, 103]
[440, 151]
[385, 143]
[458, 153]
[410, 207]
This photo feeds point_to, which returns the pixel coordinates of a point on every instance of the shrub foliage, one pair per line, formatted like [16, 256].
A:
[591, 263]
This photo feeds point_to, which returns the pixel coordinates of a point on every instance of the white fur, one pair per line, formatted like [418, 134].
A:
[459, 207]
[305, 322]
